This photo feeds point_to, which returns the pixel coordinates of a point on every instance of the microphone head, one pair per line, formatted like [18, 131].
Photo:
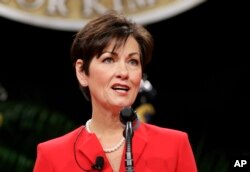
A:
[127, 114]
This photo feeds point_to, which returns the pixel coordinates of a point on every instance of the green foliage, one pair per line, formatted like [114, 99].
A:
[210, 159]
[22, 127]
[11, 160]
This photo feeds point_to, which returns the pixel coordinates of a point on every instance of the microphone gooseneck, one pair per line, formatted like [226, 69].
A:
[128, 117]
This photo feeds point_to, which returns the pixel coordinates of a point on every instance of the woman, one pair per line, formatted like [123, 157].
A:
[109, 55]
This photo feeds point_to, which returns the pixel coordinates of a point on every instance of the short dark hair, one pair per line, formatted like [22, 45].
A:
[99, 32]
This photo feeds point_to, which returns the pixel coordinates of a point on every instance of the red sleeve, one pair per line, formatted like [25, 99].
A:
[186, 162]
[42, 164]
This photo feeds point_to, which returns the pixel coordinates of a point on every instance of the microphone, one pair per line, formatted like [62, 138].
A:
[128, 118]
[99, 162]
[129, 115]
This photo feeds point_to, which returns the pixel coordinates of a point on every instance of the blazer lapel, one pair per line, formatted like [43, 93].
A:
[87, 149]
[139, 142]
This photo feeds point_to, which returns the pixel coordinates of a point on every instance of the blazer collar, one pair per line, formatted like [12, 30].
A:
[89, 147]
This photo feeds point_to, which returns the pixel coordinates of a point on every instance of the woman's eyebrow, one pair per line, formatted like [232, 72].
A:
[111, 52]
[114, 53]
[134, 53]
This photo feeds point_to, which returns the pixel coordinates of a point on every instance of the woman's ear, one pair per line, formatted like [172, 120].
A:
[80, 74]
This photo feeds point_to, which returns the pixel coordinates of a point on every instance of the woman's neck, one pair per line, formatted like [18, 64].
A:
[106, 122]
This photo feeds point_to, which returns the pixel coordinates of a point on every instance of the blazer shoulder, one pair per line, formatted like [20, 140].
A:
[165, 132]
[61, 141]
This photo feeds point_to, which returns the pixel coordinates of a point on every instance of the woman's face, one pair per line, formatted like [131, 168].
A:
[114, 78]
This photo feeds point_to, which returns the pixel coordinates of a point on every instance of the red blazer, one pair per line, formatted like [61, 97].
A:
[154, 149]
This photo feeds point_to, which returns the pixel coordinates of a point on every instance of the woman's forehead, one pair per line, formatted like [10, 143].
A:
[116, 43]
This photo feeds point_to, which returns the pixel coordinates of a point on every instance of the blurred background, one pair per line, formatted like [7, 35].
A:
[199, 76]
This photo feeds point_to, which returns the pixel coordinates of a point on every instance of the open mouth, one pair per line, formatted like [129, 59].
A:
[120, 88]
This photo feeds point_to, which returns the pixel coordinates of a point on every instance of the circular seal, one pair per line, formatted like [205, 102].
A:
[71, 15]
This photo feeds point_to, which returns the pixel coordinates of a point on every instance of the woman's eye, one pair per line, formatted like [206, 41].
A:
[108, 60]
[134, 62]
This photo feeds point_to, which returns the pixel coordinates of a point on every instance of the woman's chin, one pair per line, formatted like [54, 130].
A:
[121, 105]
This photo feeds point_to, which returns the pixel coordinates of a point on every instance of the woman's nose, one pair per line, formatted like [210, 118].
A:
[122, 71]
